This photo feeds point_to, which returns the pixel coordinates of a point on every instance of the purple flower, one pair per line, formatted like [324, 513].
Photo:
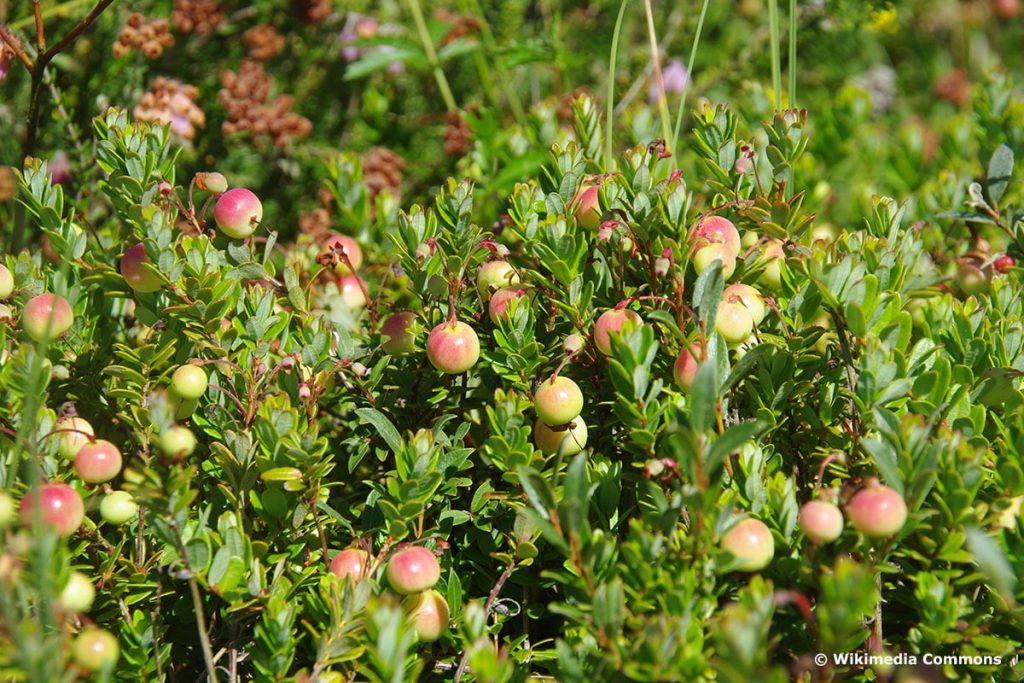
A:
[674, 77]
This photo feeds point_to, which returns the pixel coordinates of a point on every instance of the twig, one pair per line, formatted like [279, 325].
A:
[464, 662]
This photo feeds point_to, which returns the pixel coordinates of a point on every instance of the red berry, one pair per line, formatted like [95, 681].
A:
[821, 521]
[47, 317]
[399, 332]
[98, 462]
[751, 543]
[238, 212]
[60, 507]
[1002, 264]
[877, 511]
[413, 569]
[558, 401]
[617, 320]
[453, 347]
[135, 271]
[428, 614]
[352, 563]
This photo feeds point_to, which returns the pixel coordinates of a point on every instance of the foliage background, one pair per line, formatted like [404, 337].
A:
[875, 362]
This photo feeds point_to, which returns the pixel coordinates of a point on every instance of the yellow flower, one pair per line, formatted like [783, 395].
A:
[883, 20]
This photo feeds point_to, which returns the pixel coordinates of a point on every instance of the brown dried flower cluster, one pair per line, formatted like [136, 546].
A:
[246, 100]
[461, 26]
[151, 37]
[382, 171]
[312, 11]
[263, 42]
[954, 87]
[315, 223]
[197, 16]
[172, 102]
[458, 136]
[8, 183]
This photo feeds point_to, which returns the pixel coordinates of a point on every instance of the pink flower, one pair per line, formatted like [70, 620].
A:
[60, 168]
[674, 77]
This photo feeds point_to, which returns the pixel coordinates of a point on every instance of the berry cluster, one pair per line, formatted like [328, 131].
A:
[245, 98]
[172, 102]
[412, 572]
[150, 37]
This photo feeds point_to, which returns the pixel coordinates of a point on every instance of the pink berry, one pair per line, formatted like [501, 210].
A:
[821, 521]
[352, 292]
[47, 317]
[877, 511]
[238, 212]
[6, 282]
[399, 332]
[685, 369]
[213, 182]
[617, 320]
[586, 206]
[60, 508]
[352, 563]
[98, 462]
[453, 347]
[349, 247]
[135, 273]
[749, 297]
[717, 230]
[751, 543]
[413, 569]
[497, 307]
[428, 614]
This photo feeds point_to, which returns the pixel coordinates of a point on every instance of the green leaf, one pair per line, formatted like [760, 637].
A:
[707, 294]
[1000, 169]
[992, 562]
[383, 426]
[703, 397]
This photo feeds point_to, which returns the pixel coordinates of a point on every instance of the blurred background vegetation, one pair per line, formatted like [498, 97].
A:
[265, 91]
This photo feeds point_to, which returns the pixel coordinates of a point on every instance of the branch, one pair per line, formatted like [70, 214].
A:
[14, 47]
[75, 32]
[464, 662]
[40, 31]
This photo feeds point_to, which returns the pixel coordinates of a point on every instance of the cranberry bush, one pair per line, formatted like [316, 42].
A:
[339, 459]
